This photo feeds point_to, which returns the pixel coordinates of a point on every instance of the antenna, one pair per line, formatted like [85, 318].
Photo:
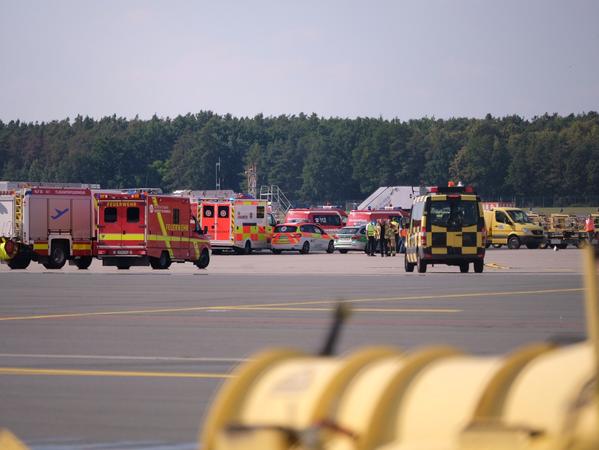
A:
[218, 174]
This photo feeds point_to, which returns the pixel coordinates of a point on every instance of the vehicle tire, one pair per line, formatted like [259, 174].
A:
[331, 247]
[161, 263]
[464, 267]
[204, 260]
[19, 262]
[497, 245]
[582, 243]
[532, 246]
[123, 266]
[58, 257]
[305, 248]
[562, 246]
[276, 251]
[513, 243]
[343, 252]
[83, 262]
[479, 266]
[408, 265]
[420, 265]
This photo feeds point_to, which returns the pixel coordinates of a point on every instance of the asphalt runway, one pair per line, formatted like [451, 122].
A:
[111, 359]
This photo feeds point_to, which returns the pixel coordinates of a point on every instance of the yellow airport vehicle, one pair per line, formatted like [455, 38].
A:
[512, 227]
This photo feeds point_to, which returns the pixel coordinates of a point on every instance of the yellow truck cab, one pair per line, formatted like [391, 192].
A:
[512, 227]
[446, 227]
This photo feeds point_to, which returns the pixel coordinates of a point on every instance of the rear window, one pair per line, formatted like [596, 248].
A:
[453, 213]
[285, 229]
[133, 215]
[110, 215]
[327, 219]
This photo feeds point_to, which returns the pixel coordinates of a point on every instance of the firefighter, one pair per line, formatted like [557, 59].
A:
[382, 228]
[395, 225]
[394, 236]
[371, 233]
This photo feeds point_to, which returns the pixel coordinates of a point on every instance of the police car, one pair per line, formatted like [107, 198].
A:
[446, 227]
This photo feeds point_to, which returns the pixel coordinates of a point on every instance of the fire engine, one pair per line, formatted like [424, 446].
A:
[241, 225]
[140, 229]
[49, 225]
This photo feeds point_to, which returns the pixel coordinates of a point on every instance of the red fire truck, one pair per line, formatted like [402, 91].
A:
[140, 229]
[49, 225]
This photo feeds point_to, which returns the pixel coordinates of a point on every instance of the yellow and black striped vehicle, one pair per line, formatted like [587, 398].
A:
[447, 226]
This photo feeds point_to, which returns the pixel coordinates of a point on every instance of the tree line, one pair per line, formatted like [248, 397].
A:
[310, 157]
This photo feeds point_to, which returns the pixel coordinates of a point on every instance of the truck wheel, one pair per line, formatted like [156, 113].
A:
[464, 267]
[19, 262]
[161, 263]
[305, 248]
[343, 252]
[204, 260]
[420, 265]
[57, 258]
[408, 265]
[513, 243]
[479, 266]
[331, 247]
[562, 245]
[83, 262]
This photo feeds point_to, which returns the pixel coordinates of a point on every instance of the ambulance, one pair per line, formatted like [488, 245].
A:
[330, 219]
[48, 225]
[240, 225]
[140, 229]
[358, 217]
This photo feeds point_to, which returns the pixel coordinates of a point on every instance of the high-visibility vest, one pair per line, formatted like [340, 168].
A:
[589, 225]
[370, 229]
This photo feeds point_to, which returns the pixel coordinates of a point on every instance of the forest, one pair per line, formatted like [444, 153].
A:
[311, 158]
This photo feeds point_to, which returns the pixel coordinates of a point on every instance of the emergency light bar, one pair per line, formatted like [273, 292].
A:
[452, 190]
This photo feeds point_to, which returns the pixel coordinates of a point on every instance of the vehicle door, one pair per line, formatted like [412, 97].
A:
[121, 223]
[223, 222]
[502, 225]
[181, 229]
[321, 238]
[207, 220]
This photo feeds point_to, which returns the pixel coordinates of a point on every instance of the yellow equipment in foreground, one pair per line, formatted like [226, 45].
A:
[543, 397]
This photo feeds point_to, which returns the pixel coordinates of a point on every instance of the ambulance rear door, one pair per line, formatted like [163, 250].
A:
[121, 223]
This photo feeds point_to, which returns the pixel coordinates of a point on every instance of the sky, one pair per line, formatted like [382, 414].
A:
[336, 58]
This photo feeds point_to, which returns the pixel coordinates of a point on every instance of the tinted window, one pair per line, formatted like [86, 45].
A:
[208, 211]
[453, 213]
[110, 215]
[133, 214]
[501, 217]
[285, 229]
[175, 215]
[307, 229]
[260, 212]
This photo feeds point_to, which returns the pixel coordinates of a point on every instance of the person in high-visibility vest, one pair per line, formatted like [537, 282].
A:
[589, 227]
[393, 235]
[371, 234]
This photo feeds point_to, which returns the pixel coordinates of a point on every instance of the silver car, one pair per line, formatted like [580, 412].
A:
[351, 239]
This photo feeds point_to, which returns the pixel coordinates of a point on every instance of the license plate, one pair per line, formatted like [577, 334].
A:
[122, 252]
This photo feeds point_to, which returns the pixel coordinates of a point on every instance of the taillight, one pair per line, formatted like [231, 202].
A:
[296, 235]
[423, 240]
[355, 238]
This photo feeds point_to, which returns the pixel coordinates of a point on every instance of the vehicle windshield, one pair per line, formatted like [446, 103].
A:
[285, 229]
[519, 216]
[454, 213]
[349, 230]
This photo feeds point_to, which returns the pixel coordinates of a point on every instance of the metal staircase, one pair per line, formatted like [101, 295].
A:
[279, 202]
